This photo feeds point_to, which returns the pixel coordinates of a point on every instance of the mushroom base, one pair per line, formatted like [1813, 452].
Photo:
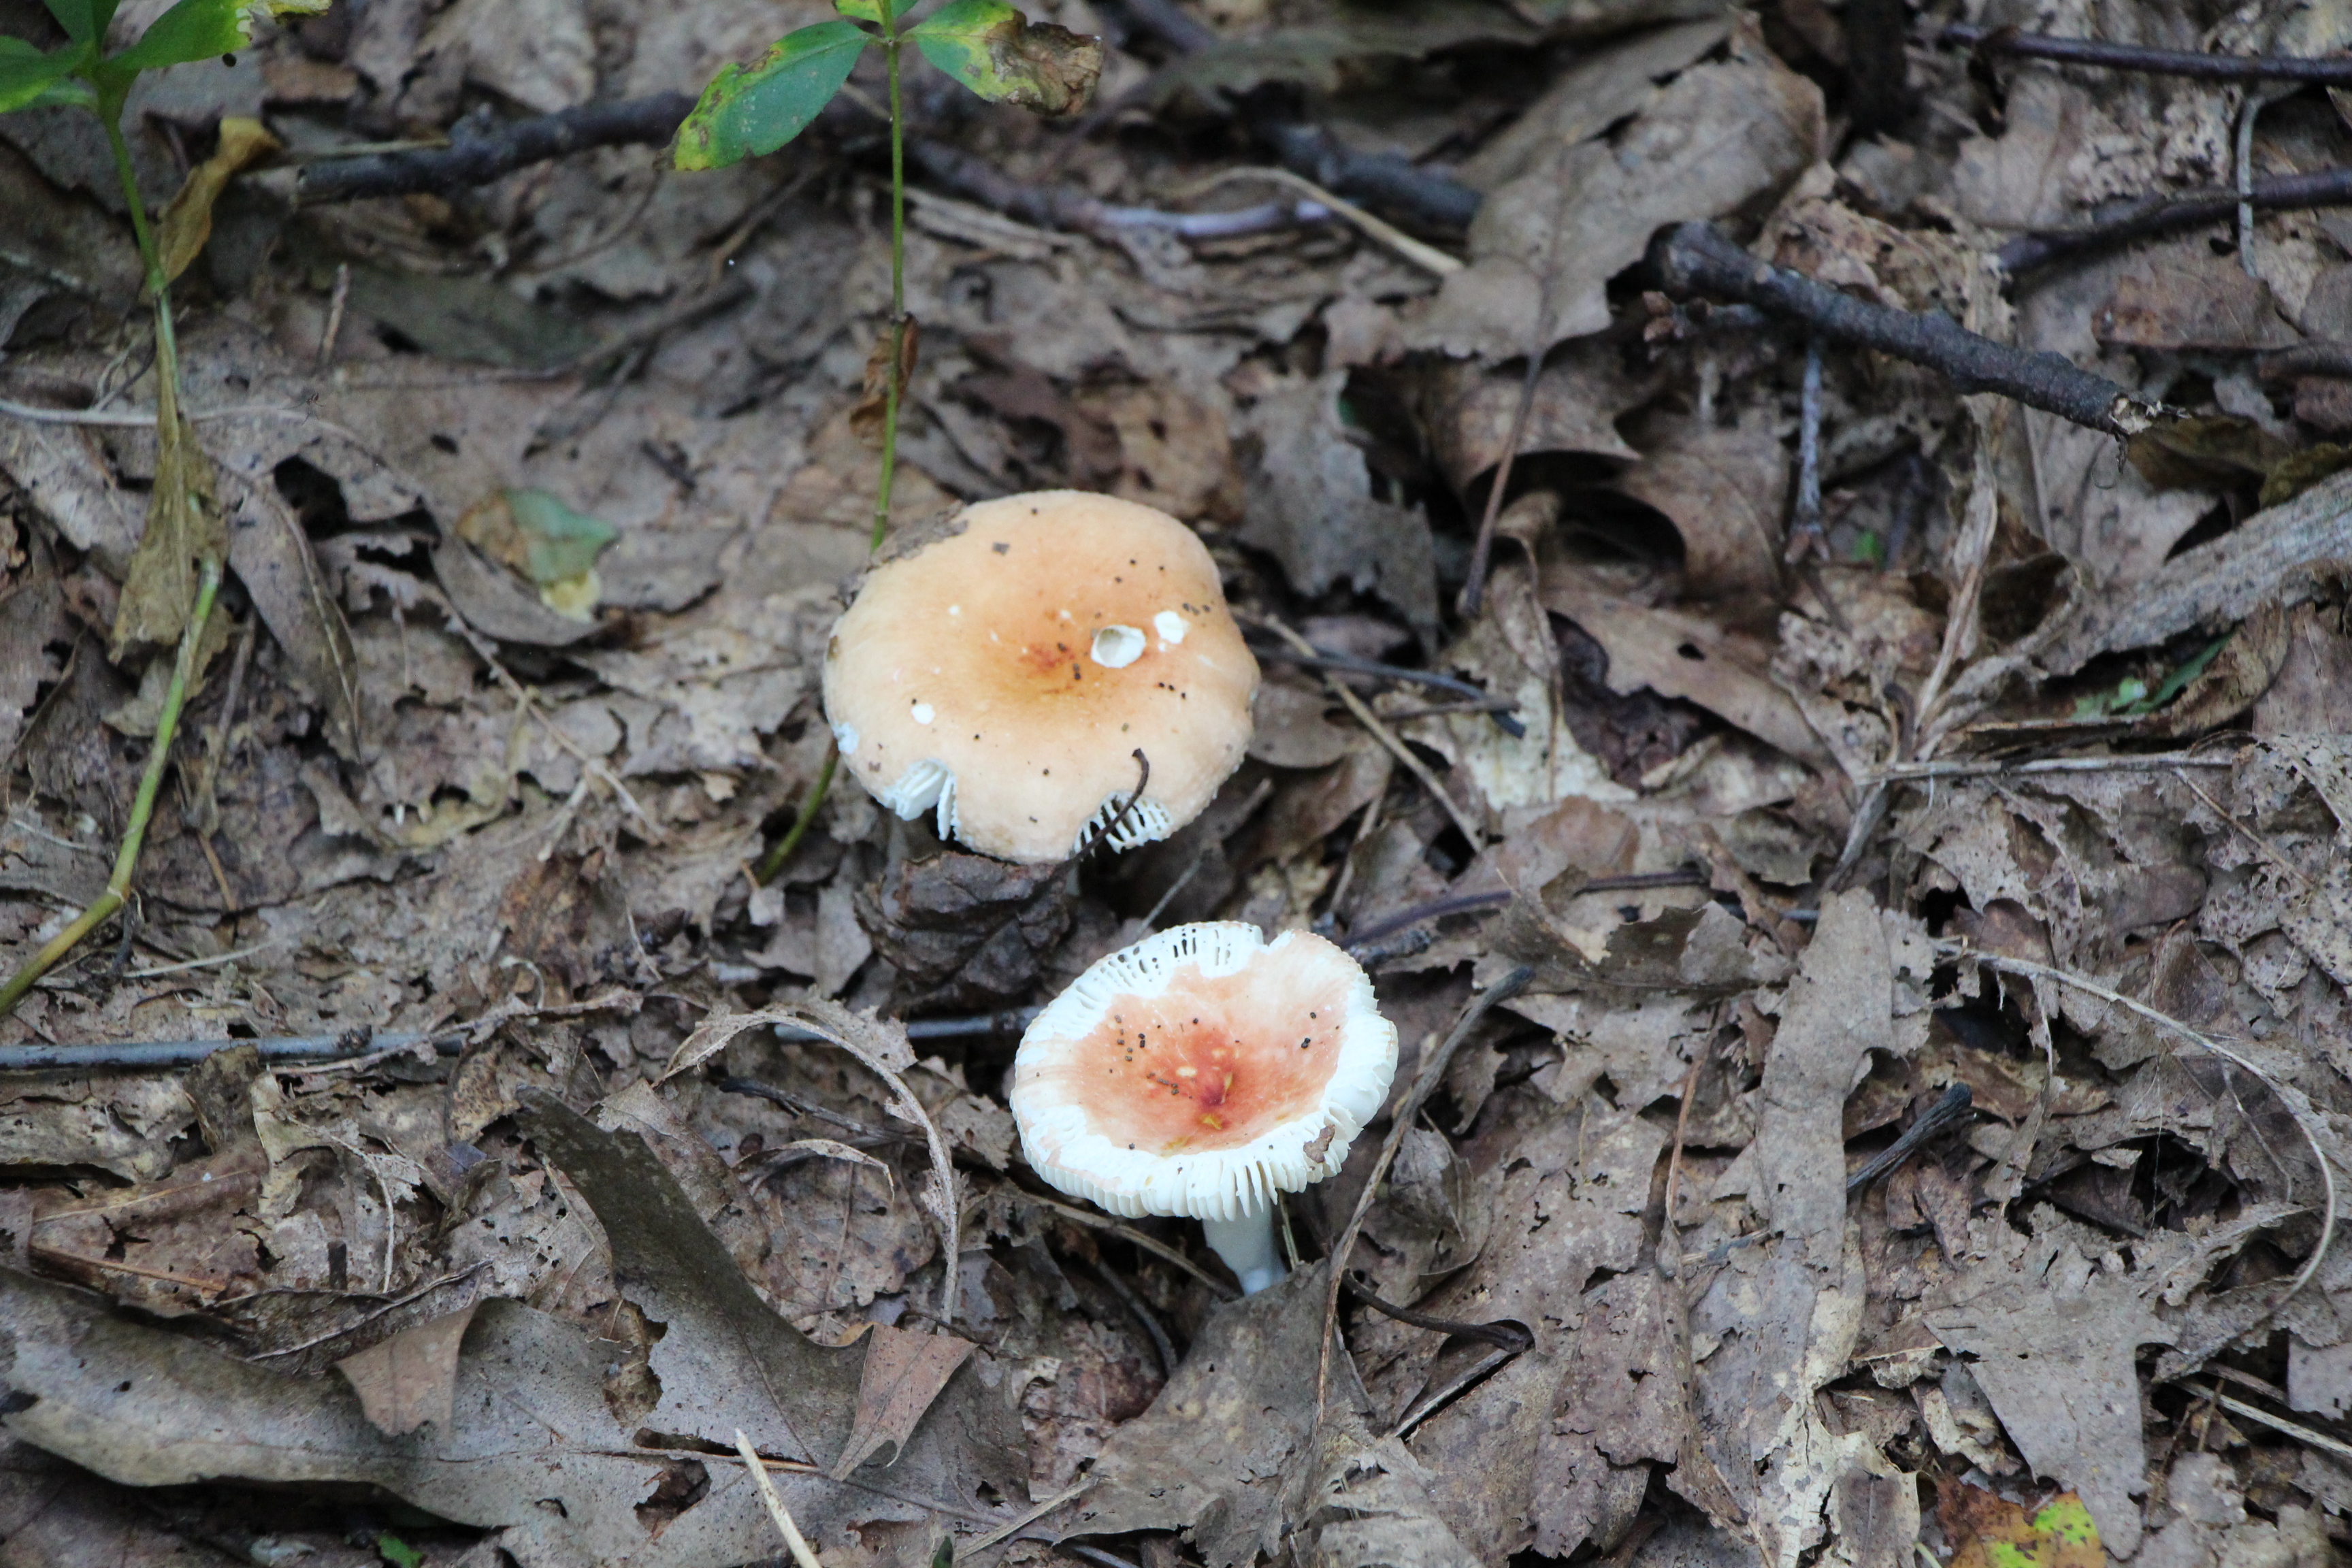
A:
[1247, 1244]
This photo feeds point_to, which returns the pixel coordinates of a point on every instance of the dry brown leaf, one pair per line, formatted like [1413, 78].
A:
[904, 1371]
[1724, 487]
[1545, 244]
[1788, 1312]
[2055, 1339]
[411, 1378]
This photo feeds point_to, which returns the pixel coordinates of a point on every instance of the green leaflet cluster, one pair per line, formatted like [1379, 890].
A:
[992, 49]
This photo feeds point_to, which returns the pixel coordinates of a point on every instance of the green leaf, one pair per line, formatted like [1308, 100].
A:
[205, 29]
[81, 18]
[26, 75]
[1003, 57]
[750, 109]
[398, 1552]
[866, 11]
[558, 541]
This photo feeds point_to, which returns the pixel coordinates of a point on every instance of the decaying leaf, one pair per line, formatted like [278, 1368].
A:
[411, 1378]
[188, 222]
[184, 526]
[1546, 243]
[1005, 57]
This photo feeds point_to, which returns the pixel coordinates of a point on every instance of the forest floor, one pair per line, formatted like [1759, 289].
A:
[1875, 737]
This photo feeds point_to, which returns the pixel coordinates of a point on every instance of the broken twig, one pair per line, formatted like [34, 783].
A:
[2335, 71]
[2038, 248]
[1700, 257]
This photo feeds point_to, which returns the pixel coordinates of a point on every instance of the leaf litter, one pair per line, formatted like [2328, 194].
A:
[1868, 741]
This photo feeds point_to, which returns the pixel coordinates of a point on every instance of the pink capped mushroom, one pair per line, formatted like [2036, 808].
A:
[1004, 672]
[1205, 1071]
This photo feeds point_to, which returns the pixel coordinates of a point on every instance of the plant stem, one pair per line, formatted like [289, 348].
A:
[191, 634]
[890, 387]
[776, 859]
[142, 806]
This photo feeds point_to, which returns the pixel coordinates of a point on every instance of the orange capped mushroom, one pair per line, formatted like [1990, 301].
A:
[1205, 1071]
[1003, 673]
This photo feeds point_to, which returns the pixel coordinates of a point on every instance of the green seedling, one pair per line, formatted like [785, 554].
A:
[176, 572]
[2131, 698]
[750, 111]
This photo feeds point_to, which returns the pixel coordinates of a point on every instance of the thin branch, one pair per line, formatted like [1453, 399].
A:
[2333, 72]
[477, 158]
[1501, 1335]
[1473, 903]
[1700, 257]
[2305, 1434]
[1382, 734]
[2031, 251]
[1957, 1103]
[1978, 767]
[1349, 663]
[777, 1512]
[353, 1044]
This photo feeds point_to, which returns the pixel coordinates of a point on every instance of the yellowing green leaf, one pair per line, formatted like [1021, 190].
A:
[1003, 57]
[536, 534]
[866, 11]
[748, 111]
[188, 221]
[1989, 1531]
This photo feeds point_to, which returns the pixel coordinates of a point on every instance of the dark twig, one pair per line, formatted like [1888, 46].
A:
[477, 159]
[2331, 70]
[1348, 664]
[2332, 360]
[1482, 551]
[1473, 903]
[1955, 1105]
[1162, 1345]
[1698, 256]
[361, 1042]
[1502, 1336]
[2164, 215]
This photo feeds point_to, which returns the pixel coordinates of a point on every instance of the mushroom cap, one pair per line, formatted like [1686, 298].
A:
[1005, 674]
[1201, 1071]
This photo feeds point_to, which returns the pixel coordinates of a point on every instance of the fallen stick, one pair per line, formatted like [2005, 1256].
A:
[353, 1043]
[1700, 257]
[2333, 71]
[2164, 215]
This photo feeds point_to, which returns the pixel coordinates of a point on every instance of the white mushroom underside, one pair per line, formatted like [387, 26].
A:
[1064, 1146]
[929, 785]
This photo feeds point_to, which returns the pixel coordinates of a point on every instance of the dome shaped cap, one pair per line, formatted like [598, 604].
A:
[1201, 1071]
[1003, 674]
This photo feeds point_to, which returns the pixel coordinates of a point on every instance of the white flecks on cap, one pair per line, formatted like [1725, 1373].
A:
[846, 737]
[1063, 1145]
[1116, 647]
[922, 712]
[1170, 626]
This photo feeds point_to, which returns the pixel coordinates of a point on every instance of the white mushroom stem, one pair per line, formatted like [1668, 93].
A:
[1247, 1244]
